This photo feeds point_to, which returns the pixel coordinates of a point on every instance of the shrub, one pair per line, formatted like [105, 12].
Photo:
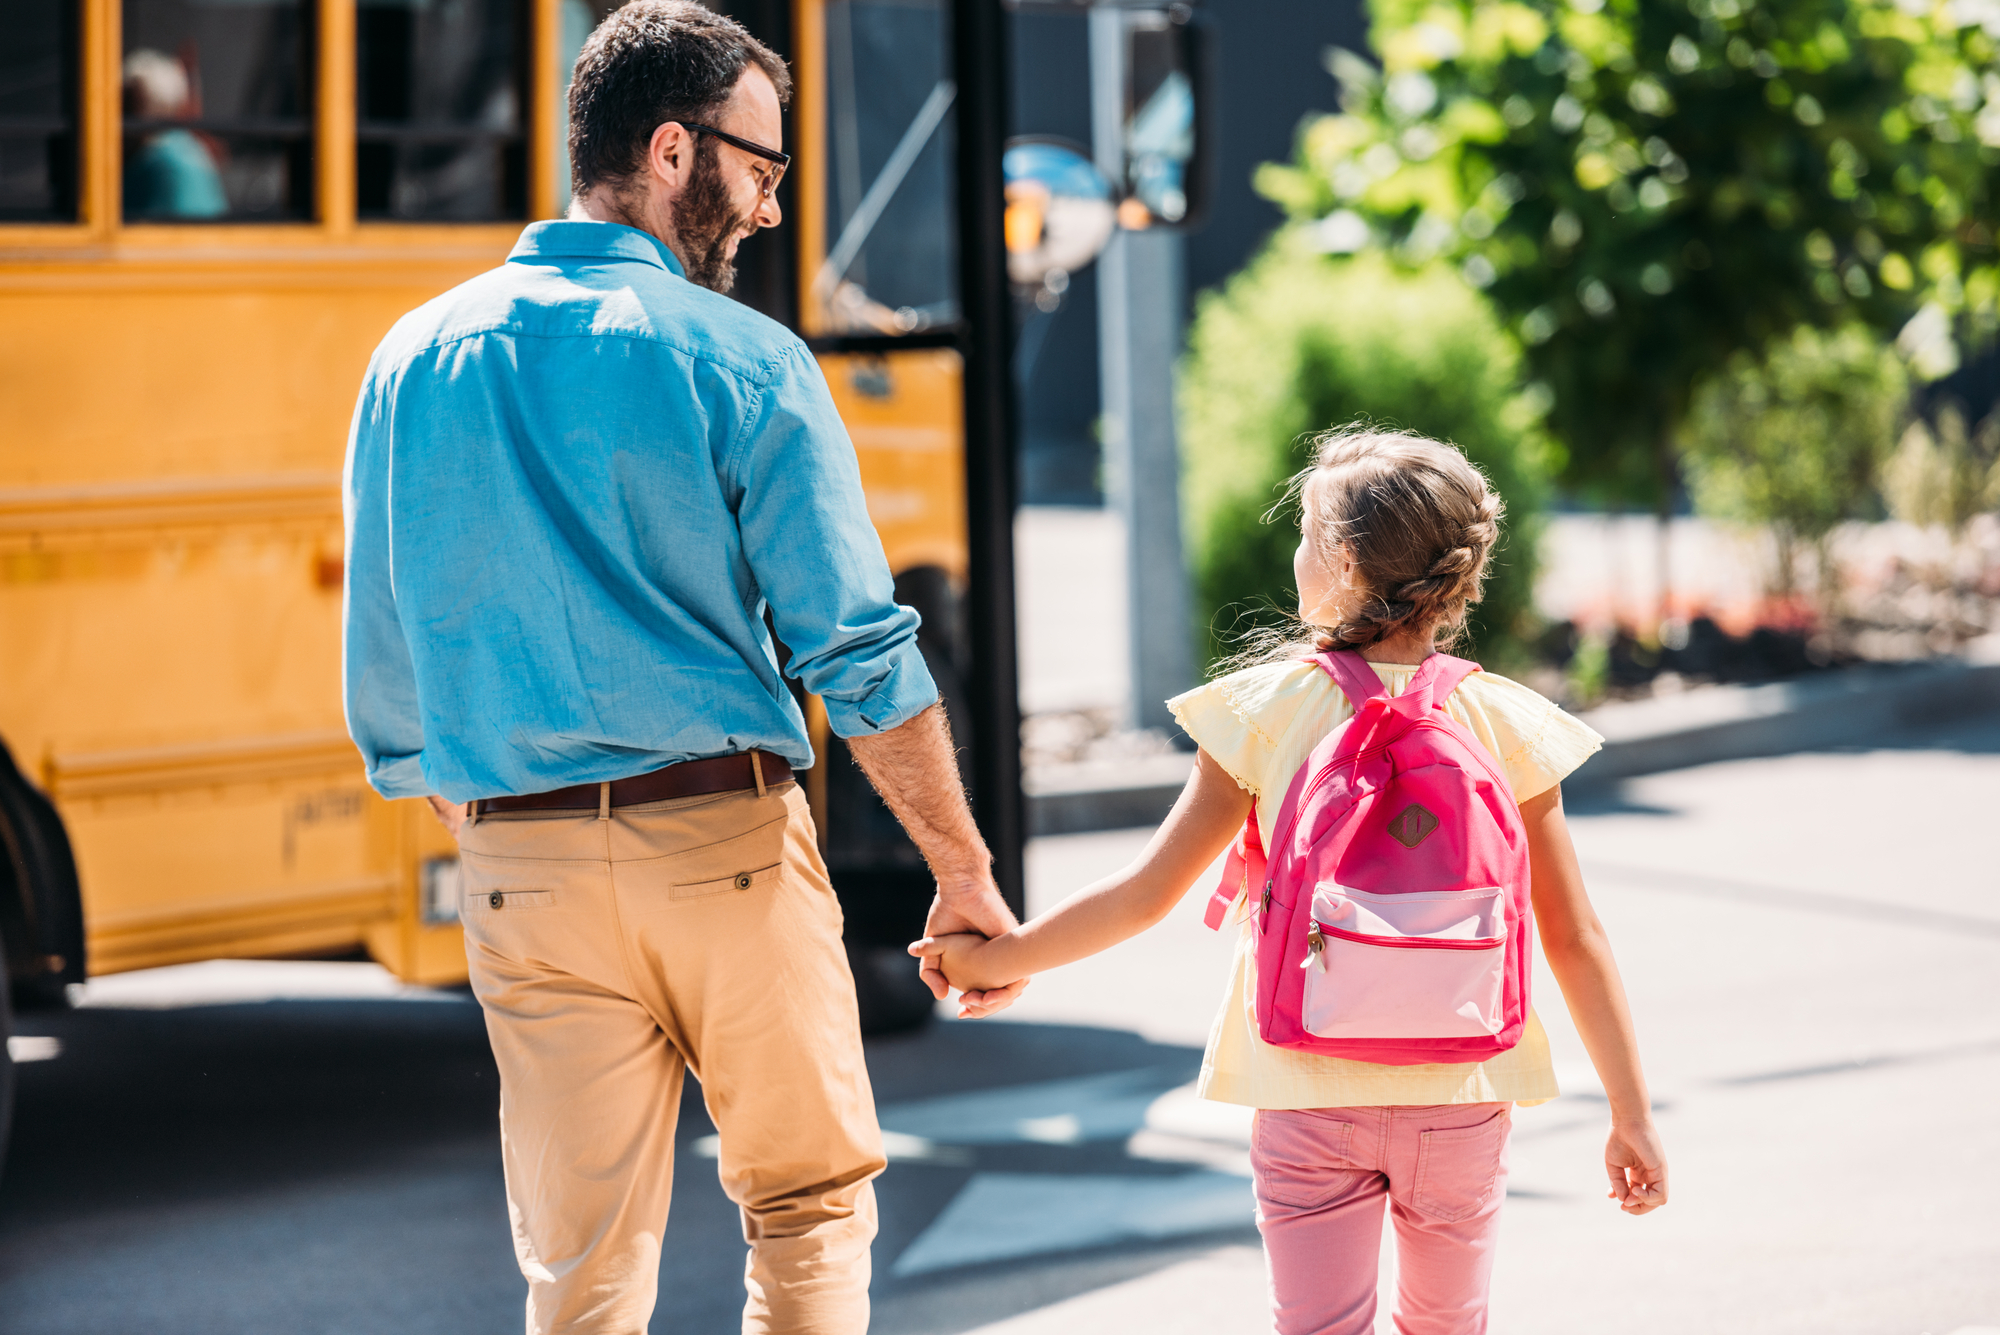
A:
[1795, 440]
[1299, 341]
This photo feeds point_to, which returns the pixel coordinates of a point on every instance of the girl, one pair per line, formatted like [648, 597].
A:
[1396, 533]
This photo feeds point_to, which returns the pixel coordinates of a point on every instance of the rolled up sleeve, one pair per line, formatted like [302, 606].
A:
[817, 559]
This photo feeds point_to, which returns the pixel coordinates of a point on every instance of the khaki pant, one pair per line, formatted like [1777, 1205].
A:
[610, 954]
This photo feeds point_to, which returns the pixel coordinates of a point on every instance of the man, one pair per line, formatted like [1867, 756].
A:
[573, 487]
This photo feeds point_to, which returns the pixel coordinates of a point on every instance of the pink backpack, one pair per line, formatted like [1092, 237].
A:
[1393, 916]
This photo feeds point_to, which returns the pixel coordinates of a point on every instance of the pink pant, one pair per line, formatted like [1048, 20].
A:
[1321, 1177]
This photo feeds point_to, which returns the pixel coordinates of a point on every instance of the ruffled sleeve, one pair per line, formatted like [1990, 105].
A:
[1538, 744]
[1243, 720]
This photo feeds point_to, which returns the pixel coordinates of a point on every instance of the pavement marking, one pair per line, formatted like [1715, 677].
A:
[33, 1048]
[1058, 1112]
[896, 1148]
[1006, 1216]
[241, 982]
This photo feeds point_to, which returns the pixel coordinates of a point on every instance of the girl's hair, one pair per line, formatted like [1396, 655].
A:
[1418, 521]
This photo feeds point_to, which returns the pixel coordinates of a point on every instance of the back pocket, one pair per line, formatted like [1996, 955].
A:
[1459, 1168]
[762, 878]
[1300, 1159]
[499, 900]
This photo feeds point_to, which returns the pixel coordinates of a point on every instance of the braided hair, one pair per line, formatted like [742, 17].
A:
[1417, 520]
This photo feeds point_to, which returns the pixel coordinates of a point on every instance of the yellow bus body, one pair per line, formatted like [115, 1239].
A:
[177, 400]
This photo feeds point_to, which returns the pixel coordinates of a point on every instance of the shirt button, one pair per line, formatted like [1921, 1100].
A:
[742, 880]
[496, 899]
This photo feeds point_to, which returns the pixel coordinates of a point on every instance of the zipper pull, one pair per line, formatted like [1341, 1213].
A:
[1315, 944]
[1264, 909]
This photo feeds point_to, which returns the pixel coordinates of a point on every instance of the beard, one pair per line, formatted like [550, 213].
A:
[704, 222]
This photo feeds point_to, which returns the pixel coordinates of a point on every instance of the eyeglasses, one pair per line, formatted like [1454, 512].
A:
[768, 179]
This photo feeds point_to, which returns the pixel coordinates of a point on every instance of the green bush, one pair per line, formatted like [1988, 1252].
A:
[1298, 342]
[1795, 440]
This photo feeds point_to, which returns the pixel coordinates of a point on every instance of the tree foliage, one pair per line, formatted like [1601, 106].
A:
[1645, 188]
[1794, 440]
[1298, 342]
[1943, 474]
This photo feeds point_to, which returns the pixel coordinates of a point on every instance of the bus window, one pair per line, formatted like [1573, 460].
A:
[38, 111]
[440, 97]
[218, 110]
[891, 262]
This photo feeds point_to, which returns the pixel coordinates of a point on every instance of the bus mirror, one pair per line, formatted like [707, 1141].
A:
[1059, 212]
[1163, 131]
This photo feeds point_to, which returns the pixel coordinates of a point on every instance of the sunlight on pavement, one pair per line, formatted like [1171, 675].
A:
[1218, 1293]
[1003, 1216]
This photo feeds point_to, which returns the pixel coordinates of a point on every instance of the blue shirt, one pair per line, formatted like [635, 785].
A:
[572, 484]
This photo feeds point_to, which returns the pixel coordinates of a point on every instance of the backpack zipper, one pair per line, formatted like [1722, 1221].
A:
[1263, 909]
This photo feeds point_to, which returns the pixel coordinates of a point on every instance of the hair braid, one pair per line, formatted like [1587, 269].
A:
[1417, 520]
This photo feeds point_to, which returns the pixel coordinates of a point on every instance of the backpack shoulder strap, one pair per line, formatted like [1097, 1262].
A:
[1245, 867]
[1350, 672]
[1438, 676]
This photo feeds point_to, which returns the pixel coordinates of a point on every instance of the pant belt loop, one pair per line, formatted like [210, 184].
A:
[472, 811]
[757, 773]
[604, 801]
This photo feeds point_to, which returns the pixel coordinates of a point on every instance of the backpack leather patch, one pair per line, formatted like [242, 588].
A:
[1412, 826]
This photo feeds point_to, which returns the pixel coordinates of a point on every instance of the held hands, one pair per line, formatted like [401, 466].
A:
[1637, 1164]
[971, 907]
[957, 957]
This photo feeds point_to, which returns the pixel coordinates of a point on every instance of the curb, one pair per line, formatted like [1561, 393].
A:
[1700, 727]
[1741, 722]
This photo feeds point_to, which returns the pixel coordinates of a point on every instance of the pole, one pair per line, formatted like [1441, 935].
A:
[978, 54]
[1139, 298]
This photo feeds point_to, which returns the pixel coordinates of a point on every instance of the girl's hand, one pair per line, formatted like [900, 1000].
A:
[1637, 1163]
[958, 956]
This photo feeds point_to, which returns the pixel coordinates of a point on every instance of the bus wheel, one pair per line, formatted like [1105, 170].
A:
[893, 999]
[41, 911]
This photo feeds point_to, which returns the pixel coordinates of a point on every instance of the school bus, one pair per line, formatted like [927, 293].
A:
[209, 216]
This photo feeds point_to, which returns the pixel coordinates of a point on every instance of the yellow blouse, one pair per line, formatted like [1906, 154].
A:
[1261, 724]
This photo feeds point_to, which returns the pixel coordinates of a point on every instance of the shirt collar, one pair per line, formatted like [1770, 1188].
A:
[594, 240]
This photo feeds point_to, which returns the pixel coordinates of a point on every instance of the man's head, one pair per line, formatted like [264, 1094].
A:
[651, 70]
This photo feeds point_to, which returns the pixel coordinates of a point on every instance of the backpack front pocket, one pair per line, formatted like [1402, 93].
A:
[1425, 965]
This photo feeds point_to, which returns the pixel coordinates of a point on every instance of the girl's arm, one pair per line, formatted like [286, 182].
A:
[1206, 817]
[1579, 954]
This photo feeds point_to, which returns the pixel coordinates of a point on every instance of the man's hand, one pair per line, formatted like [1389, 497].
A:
[915, 770]
[449, 814]
[975, 907]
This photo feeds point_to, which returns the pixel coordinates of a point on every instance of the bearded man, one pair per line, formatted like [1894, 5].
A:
[574, 486]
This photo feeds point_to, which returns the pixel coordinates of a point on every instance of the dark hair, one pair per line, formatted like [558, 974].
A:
[652, 62]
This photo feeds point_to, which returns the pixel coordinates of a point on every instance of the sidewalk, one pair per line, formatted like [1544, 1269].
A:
[1698, 726]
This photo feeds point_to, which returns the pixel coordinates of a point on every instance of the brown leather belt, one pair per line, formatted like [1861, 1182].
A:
[690, 778]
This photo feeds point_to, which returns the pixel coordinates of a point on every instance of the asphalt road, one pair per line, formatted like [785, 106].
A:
[1811, 941]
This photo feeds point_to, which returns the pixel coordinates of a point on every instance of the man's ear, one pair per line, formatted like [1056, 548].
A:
[670, 157]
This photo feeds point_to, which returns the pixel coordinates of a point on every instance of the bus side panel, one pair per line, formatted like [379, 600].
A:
[170, 570]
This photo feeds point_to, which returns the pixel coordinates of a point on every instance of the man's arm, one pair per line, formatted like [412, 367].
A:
[914, 769]
[818, 561]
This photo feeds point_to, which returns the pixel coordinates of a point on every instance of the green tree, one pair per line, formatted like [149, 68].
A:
[1298, 342]
[1945, 477]
[1644, 190]
[1795, 441]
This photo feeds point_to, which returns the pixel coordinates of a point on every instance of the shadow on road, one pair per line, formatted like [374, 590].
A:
[333, 1165]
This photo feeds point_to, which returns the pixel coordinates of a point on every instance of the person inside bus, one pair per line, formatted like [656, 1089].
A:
[171, 172]
[574, 486]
